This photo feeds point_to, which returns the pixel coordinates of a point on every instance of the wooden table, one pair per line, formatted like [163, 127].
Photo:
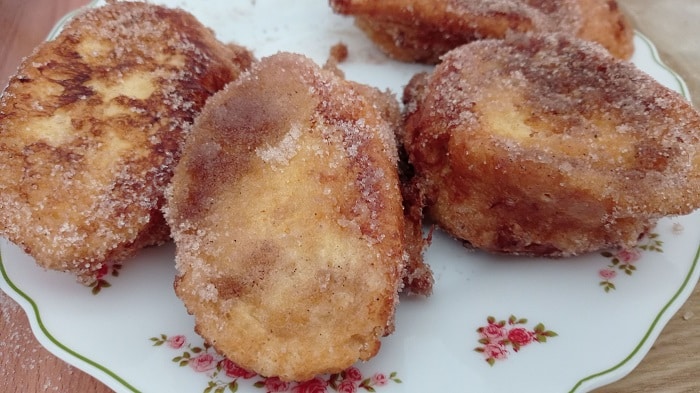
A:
[671, 366]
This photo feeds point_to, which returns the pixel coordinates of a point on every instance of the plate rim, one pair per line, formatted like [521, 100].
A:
[666, 312]
[683, 87]
[591, 381]
[56, 347]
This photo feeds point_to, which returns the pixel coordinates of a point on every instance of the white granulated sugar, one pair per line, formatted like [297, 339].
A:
[284, 151]
[677, 228]
[48, 385]
[208, 293]
[7, 307]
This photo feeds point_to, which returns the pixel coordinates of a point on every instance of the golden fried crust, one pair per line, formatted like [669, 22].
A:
[92, 125]
[423, 30]
[418, 277]
[549, 146]
[604, 22]
[287, 217]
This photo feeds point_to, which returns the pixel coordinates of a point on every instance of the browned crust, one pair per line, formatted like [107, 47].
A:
[287, 216]
[99, 114]
[546, 145]
[423, 30]
[604, 22]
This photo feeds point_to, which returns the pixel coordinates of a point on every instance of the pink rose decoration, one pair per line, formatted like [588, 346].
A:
[233, 370]
[274, 384]
[104, 269]
[203, 362]
[494, 351]
[176, 342]
[379, 379]
[629, 255]
[497, 339]
[520, 336]
[316, 385]
[353, 374]
[493, 331]
[347, 386]
[607, 274]
[203, 359]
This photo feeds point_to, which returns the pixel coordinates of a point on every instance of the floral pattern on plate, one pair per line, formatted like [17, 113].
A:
[142, 301]
[625, 259]
[497, 338]
[100, 281]
[224, 375]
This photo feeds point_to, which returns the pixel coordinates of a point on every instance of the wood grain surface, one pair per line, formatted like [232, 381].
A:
[671, 366]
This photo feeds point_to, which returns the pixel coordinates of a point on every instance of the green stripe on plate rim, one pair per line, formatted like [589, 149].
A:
[683, 88]
[655, 54]
[47, 334]
[653, 325]
[39, 322]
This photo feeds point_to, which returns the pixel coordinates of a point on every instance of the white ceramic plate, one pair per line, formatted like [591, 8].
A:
[599, 314]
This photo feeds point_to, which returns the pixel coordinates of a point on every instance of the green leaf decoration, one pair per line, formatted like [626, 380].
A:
[538, 334]
[333, 380]
[221, 383]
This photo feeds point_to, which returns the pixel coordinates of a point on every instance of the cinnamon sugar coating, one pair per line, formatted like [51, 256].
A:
[423, 30]
[287, 216]
[91, 127]
[547, 145]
